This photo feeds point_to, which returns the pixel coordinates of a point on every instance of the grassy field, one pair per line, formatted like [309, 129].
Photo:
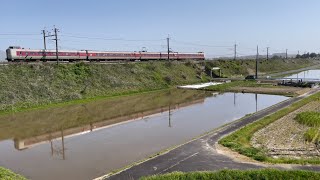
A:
[228, 86]
[239, 141]
[6, 174]
[262, 174]
[242, 68]
[25, 86]
[252, 86]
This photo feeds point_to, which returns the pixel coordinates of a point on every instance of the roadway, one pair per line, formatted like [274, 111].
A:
[202, 155]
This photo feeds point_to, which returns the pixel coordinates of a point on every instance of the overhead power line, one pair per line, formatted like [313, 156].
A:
[111, 39]
[204, 45]
[10, 34]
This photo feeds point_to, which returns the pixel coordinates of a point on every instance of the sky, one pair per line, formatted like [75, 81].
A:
[211, 26]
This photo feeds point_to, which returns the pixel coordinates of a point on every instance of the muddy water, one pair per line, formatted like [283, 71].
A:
[310, 74]
[80, 142]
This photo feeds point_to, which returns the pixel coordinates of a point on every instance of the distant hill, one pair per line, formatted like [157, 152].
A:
[2, 55]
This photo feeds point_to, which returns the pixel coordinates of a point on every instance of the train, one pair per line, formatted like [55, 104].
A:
[18, 54]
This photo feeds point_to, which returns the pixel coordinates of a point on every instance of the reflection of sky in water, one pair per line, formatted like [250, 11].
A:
[312, 74]
[96, 153]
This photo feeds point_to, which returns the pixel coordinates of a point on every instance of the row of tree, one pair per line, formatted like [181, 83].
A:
[308, 55]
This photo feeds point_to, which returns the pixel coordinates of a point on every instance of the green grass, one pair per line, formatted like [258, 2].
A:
[262, 174]
[235, 86]
[28, 86]
[312, 135]
[311, 119]
[246, 83]
[239, 141]
[6, 174]
[242, 68]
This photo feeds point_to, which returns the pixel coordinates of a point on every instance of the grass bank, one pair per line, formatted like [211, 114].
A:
[239, 141]
[228, 86]
[242, 68]
[26, 86]
[6, 174]
[252, 86]
[238, 174]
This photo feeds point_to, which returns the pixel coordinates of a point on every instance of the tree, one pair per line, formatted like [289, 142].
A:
[305, 55]
[313, 55]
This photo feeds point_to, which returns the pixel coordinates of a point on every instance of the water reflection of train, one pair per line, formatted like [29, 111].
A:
[22, 144]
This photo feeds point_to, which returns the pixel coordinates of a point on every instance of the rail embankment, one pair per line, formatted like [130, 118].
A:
[33, 85]
[25, 86]
[242, 68]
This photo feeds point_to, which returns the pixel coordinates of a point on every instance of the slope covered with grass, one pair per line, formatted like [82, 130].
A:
[25, 86]
[242, 68]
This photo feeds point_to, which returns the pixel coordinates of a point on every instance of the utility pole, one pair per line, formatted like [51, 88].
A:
[268, 53]
[56, 39]
[44, 39]
[257, 62]
[235, 52]
[168, 44]
[170, 116]
[286, 53]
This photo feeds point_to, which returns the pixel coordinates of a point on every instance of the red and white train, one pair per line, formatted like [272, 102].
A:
[15, 53]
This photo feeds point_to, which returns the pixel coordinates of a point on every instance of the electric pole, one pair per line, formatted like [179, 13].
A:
[56, 39]
[44, 39]
[168, 44]
[286, 53]
[268, 53]
[257, 62]
[235, 52]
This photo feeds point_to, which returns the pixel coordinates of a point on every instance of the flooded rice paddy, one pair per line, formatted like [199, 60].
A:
[85, 141]
[306, 75]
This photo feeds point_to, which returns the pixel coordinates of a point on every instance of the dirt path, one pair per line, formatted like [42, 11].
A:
[285, 137]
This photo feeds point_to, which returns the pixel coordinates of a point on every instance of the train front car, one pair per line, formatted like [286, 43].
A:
[11, 53]
[16, 53]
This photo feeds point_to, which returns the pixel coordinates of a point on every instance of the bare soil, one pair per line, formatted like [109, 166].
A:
[285, 137]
